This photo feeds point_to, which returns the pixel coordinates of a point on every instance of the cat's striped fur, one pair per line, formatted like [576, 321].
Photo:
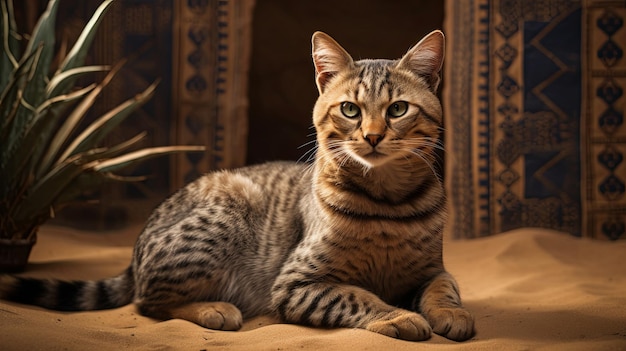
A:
[352, 240]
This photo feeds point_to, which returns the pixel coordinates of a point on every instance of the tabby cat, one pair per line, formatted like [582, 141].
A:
[353, 239]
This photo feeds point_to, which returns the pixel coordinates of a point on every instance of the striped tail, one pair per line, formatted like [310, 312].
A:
[69, 295]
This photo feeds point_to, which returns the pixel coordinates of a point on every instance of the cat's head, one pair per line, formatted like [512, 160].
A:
[371, 112]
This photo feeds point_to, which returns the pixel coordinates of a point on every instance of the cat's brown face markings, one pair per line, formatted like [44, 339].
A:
[375, 111]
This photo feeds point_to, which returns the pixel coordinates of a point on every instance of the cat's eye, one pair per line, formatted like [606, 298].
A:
[350, 110]
[398, 109]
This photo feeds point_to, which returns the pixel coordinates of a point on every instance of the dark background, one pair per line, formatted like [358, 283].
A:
[282, 86]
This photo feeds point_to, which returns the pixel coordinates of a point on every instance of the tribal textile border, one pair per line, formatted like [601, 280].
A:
[534, 107]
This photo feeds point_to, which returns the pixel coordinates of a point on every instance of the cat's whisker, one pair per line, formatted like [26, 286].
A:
[430, 140]
[309, 155]
[341, 155]
[419, 154]
[307, 143]
[428, 143]
[366, 170]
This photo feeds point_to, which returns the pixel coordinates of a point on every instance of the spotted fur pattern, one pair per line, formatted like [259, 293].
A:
[353, 239]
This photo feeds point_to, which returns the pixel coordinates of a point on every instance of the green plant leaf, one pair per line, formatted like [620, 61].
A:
[51, 113]
[30, 88]
[76, 56]
[100, 154]
[104, 153]
[55, 100]
[99, 129]
[10, 44]
[11, 104]
[35, 136]
[12, 93]
[42, 193]
[123, 146]
[42, 36]
[128, 159]
[72, 121]
[120, 178]
[45, 191]
[54, 86]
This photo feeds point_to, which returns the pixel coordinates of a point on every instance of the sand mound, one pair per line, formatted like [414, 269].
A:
[529, 289]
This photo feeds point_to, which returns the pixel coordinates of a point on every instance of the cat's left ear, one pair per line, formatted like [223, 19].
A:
[426, 58]
[329, 59]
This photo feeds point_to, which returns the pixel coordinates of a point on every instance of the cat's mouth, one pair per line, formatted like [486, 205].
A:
[375, 155]
[373, 159]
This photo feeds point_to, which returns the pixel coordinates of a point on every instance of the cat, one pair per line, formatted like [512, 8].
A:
[353, 239]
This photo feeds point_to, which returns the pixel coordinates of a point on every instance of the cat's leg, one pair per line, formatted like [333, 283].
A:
[336, 305]
[166, 296]
[440, 303]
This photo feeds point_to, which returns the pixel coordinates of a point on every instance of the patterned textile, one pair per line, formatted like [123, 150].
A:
[199, 50]
[534, 106]
[212, 45]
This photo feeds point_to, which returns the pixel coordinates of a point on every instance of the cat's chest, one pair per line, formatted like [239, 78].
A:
[387, 264]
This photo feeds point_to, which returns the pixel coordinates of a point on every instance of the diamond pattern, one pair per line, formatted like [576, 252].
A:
[610, 120]
[610, 23]
[610, 158]
[610, 53]
[612, 188]
[609, 91]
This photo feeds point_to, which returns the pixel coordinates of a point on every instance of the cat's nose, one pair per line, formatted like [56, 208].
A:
[374, 139]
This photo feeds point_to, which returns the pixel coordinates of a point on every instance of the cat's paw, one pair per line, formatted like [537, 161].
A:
[212, 315]
[403, 325]
[220, 316]
[453, 323]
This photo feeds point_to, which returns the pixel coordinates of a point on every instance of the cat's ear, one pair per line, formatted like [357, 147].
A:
[329, 58]
[426, 58]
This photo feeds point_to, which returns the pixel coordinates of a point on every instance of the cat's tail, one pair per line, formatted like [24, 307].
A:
[75, 295]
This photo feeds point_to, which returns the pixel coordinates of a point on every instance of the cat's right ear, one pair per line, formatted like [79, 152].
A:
[329, 58]
[426, 58]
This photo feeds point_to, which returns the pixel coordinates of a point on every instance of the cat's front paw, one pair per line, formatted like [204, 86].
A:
[220, 316]
[212, 315]
[403, 325]
[453, 323]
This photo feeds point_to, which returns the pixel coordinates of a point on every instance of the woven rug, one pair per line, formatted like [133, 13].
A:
[534, 106]
[211, 53]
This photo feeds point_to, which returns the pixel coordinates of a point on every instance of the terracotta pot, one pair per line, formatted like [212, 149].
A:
[14, 254]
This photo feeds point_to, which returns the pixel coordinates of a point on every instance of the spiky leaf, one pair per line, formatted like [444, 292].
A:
[41, 195]
[34, 137]
[54, 87]
[100, 128]
[11, 104]
[120, 162]
[12, 93]
[10, 44]
[71, 122]
[76, 56]
[42, 36]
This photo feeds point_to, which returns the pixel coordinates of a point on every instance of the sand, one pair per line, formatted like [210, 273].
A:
[529, 289]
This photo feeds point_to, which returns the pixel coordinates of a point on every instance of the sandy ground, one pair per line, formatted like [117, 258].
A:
[529, 289]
